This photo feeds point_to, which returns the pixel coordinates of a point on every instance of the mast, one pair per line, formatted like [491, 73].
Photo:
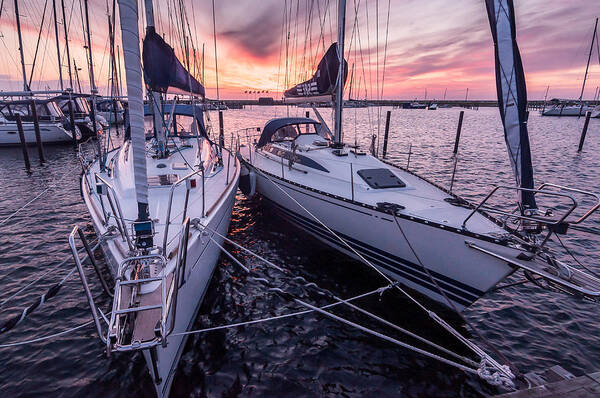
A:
[155, 98]
[18, 18]
[339, 97]
[62, 2]
[93, 88]
[587, 66]
[133, 75]
[57, 45]
[215, 41]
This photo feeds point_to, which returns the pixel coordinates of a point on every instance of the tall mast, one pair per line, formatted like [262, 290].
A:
[215, 41]
[133, 73]
[57, 45]
[587, 66]
[339, 97]
[25, 85]
[89, 48]
[155, 98]
[62, 3]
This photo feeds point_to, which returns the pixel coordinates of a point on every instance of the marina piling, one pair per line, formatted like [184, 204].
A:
[72, 120]
[23, 143]
[458, 129]
[588, 114]
[387, 132]
[221, 133]
[36, 127]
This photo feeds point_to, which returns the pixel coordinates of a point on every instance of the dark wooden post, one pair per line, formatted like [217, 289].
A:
[387, 132]
[72, 121]
[23, 143]
[38, 137]
[307, 114]
[588, 114]
[457, 139]
[221, 134]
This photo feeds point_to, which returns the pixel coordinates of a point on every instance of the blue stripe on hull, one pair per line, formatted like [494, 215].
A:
[402, 268]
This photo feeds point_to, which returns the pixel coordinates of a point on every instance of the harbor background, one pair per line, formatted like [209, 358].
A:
[305, 355]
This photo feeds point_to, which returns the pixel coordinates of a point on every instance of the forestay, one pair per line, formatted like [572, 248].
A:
[512, 94]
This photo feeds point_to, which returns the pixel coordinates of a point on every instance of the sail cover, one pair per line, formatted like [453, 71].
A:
[324, 80]
[162, 70]
[512, 94]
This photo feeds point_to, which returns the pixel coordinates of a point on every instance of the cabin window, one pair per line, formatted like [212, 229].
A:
[184, 126]
[381, 178]
[286, 133]
[52, 110]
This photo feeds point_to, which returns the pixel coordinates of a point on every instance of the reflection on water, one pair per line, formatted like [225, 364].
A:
[307, 355]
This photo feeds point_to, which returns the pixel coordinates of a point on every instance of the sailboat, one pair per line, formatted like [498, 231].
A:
[568, 108]
[51, 121]
[161, 203]
[407, 227]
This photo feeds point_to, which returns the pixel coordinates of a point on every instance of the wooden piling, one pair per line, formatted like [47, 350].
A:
[588, 114]
[387, 132]
[72, 121]
[38, 136]
[458, 129]
[221, 132]
[23, 143]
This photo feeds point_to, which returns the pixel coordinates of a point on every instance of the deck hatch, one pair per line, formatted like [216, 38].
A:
[162, 180]
[381, 178]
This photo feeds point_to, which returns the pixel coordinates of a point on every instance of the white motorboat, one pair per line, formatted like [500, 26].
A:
[50, 117]
[408, 228]
[432, 107]
[161, 206]
[562, 109]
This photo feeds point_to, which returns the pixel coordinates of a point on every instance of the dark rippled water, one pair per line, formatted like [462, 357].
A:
[309, 355]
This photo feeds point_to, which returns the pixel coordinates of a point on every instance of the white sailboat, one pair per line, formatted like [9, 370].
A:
[50, 118]
[160, 206]
[405, 226]
[568, 108]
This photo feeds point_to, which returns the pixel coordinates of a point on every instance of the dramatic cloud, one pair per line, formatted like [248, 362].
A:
[437, 45]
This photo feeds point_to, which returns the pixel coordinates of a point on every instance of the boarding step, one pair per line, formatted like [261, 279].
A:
[559, 275]
[143, 293]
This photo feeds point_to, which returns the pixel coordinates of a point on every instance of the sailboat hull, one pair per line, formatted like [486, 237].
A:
[49, 133]
[397, 246]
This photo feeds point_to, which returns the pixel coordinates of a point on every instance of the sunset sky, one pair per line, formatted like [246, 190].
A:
[433, 45]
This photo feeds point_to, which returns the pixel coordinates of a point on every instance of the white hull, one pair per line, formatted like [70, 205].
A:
[570, 111]
[50, 133]
[457, 269]
[202, 252]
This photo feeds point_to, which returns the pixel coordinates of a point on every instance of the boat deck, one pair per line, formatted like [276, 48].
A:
[561, 384]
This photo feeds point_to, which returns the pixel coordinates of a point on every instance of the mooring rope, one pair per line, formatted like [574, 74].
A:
[51, 292]
[282, 316]
[506, 376]
[54, 185]
[340, 300]
[46, 273]
[310, 308]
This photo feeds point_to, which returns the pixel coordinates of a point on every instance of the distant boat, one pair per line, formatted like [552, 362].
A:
[569, 107]
[432, 107]
[111, 110]
[414, 105]
[81, 112]
[52, 123]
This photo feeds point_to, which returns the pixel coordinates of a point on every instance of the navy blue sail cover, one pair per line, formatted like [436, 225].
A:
[324, 80]
[512, 94]
[162, 70]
